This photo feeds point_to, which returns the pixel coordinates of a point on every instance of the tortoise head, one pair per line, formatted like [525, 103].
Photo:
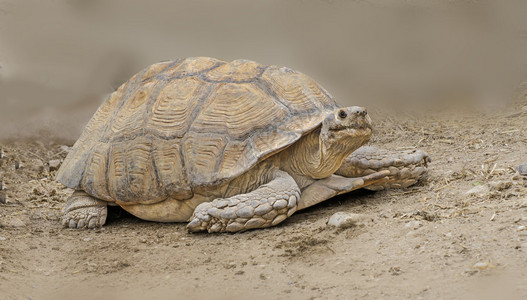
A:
[321, 153]
[345, 129]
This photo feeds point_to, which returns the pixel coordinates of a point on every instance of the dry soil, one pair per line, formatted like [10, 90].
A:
[430, 241]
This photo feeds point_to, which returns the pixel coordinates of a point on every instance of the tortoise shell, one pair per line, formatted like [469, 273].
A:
[180, 125]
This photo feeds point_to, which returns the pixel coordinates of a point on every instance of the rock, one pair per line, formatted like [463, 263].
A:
[65, 148]
[54, 164]
[493, 217]
[413, 224]
[347, 220]
[2, 238]
[521, 228]
[37, 164]
[3, 197]
[483, 265]
[481, 191]
[395, 271]
[522, 169]
[416, 232]
[231, 265]
[500, 185]
[10, 221]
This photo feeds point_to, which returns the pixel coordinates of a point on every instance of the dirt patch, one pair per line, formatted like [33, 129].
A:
[430, 241]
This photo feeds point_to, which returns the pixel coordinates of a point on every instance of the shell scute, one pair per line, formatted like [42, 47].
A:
[237, 110]
[172, 110]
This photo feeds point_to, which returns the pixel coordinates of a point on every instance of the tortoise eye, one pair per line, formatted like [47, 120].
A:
[342, 114]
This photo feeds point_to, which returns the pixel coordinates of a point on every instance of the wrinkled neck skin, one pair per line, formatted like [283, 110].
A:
[317, 155]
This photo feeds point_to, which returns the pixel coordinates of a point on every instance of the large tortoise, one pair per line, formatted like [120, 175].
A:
[228, 146]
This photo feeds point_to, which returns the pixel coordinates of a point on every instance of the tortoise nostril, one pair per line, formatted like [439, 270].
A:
[361, 112]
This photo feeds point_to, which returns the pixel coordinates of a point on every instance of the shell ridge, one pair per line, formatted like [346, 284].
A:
[131, 86]
[167, 67]
[221, 155]
[156, 173]
[265, 86]
[107, 178]
[194, 74]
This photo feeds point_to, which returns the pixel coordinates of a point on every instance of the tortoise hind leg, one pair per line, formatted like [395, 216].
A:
[268, 205]
[84, 211]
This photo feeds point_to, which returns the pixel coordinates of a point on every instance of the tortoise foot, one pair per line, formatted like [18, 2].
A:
[84, 211]
[406, 167]
[266, 206]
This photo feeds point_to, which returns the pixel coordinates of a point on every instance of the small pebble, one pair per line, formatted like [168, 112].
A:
[521, 228]
[413, 233]
[522, 169]
[483, 265]
[500, 185]
[3, 197]
[65, 148]
[54, 164]
[37, 164]
[12, 222]
[481, 191]
[86, 239]
[230, 265]
[384, 214]
[413, 224]
[493, 217]
[346, 220]
[2, 238]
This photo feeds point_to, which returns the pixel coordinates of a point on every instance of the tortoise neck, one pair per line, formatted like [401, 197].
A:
[310, 157]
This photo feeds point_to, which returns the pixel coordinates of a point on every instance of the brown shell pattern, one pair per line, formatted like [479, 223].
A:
[191, 123]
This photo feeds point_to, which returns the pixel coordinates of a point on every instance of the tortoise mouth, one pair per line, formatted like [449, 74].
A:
[351, 134]
[357, 125]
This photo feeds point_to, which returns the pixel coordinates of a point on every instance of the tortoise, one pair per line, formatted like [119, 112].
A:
[226, 146]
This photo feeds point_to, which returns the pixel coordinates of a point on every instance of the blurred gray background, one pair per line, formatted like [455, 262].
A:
[59, 58]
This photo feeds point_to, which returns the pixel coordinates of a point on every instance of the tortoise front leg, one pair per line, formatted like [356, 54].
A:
[406, 167]
[333, 185]
[84, 211]
[266, 206]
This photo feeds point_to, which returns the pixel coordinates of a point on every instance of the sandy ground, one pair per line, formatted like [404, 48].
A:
[430, 241]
